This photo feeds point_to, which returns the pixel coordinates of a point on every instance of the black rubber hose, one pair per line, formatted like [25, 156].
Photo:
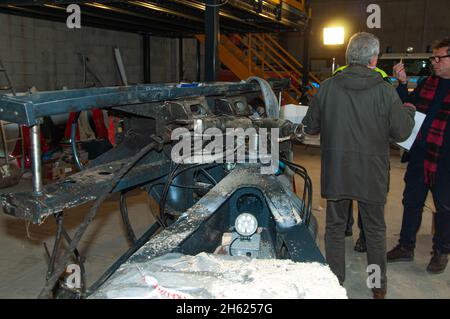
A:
[126, 220]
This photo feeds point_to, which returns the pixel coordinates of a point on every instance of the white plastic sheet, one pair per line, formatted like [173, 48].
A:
[207, 276]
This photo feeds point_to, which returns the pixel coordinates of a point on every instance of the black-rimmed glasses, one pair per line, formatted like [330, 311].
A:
[437, 59]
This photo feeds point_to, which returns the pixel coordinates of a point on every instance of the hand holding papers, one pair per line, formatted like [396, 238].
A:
[418, 118]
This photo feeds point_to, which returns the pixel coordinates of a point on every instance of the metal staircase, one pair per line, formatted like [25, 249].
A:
[256, 54]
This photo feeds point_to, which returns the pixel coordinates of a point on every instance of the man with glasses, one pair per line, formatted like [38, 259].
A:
[429, 161]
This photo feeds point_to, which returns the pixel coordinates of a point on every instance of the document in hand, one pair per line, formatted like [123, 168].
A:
[419, 118]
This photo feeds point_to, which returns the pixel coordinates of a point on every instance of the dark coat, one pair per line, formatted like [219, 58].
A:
[358, 115]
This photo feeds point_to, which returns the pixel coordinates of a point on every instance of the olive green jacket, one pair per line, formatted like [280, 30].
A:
[357, 115]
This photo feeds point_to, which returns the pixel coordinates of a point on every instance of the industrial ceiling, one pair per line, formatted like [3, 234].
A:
[170, 17]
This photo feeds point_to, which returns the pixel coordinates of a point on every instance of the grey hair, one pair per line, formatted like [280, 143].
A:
[361, 48]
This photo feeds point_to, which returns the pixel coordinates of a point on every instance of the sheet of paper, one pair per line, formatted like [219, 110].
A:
[419, 118]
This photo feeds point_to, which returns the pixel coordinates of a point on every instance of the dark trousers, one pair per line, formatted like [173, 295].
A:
[414, 197]
[375, 230]
[351, 221]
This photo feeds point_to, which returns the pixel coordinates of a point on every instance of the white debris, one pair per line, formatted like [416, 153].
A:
[218, 276]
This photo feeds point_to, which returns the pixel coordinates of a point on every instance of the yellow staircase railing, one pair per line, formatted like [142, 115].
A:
[261, 55]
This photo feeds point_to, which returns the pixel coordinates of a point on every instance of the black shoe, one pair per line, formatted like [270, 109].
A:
[438, 263]
[379, 293]
[348, 233]
[400, 253]
[360, 246]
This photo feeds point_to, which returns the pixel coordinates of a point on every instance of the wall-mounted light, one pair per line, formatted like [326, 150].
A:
[333, 35]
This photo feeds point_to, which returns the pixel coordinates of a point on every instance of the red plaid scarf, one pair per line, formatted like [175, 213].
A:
[435, 137]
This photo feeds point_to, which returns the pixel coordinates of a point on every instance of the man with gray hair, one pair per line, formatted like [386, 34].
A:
[357, 115]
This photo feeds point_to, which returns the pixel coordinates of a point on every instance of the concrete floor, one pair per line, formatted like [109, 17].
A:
[23, 261]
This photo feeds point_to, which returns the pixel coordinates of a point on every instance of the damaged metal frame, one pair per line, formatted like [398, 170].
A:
[30, 109]
[151, 113]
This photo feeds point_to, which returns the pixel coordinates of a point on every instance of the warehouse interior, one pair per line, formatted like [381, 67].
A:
[93, 90]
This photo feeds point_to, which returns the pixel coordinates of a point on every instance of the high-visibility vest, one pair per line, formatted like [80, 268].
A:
[383, 74]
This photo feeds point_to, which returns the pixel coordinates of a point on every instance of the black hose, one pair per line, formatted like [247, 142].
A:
[46, 291]
[126, 220]
[58, 237]
[138, 244]
[73, 141]
[229, 247]
[162, 204]
[172, 175]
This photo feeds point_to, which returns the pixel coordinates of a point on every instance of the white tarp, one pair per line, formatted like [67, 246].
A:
[209, 276]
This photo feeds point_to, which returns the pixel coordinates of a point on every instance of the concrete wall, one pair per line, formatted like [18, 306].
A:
[190, 60]
[165, 60]
[404, 23]
[44, 54]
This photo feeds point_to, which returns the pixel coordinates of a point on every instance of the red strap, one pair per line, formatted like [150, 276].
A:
[99, 122]
[112, 129]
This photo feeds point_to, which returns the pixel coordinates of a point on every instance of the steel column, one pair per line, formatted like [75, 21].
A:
[146, 55]
[212, 36]
[36, 165]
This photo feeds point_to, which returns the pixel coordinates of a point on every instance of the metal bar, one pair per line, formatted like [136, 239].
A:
[36, 167]
[30, 108]
[120, 66]
[250, 53]
[212, 34]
